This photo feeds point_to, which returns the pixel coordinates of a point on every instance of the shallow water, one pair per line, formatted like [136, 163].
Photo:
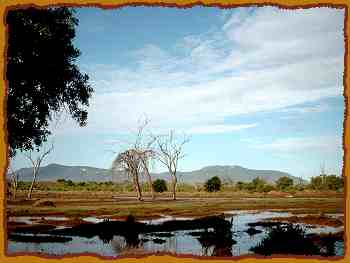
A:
[181, 242]
[163, 219]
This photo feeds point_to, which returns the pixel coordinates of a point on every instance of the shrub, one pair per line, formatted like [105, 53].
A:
[159, 186]
[284, 183]
[258, 184]
[69, 183]
[326, 182]
[213, 184]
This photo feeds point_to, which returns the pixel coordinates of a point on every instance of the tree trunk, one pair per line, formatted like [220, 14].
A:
[35, 172]
[174, 186]
[137, 187]
[14, 190]
[150, 183]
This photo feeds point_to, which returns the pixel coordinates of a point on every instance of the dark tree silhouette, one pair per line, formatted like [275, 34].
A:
[42, 76]
[160, 186]
[213, 184]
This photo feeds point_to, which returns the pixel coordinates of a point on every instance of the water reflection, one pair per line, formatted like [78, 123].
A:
[224, 237]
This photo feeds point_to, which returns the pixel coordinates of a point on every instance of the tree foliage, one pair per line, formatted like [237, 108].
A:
[327, 182]
[284, 183]
[42, 76]
[213, 184]
[258, 184]
[160, 186]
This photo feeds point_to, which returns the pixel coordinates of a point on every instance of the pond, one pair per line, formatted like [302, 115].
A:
[242, 235]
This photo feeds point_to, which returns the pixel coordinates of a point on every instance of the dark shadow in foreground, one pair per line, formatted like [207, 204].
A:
[292, 239]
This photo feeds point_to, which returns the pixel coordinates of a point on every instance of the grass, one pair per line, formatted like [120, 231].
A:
[79, 204]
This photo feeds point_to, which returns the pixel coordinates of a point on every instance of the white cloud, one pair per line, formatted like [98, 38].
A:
[262, 59]
[298, 144]
[219, 128]
[308, 109]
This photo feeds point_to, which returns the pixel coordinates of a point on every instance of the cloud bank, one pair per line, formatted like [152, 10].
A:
[260, 59]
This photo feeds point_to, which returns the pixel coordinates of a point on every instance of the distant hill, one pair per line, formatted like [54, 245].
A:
[53, 172]
[227, 173]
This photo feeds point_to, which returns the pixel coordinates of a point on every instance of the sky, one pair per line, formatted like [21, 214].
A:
[259, 87]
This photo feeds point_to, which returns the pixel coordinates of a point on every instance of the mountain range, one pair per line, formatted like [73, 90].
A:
[226, 173]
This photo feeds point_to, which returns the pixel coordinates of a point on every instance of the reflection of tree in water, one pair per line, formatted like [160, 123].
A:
[106, 236]
[291, 239]
[118, 244]
[330, 247]
[218, 242]
[121, 244]
[327, 243]
[132, 239]
[129, 239]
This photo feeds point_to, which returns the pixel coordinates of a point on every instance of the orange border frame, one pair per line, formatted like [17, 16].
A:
[290, 4]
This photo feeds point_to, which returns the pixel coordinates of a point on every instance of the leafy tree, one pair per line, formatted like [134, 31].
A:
[334, 182]
[69, 183]
[159, 186]
[326, 182]
[258, 184]
[43, 78]
[213, 184]
[283, 183]
[316, 183]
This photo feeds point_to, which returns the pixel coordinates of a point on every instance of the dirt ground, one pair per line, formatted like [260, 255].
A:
[120, 205]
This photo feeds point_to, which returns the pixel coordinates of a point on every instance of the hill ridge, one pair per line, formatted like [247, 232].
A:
[230, 173]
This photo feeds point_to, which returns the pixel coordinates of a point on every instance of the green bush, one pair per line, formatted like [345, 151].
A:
[213, 184]
[327, 182]
[258, 184]
[159, 186]
[284, 183]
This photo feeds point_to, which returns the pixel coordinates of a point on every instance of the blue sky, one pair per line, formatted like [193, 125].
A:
[257, 87]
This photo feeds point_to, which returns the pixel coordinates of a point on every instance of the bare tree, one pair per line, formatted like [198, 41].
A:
[142, 146]
[170, 151]
[129, 161]
[136, 159]
[145, 157]
[36, 163]
[13, 184]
